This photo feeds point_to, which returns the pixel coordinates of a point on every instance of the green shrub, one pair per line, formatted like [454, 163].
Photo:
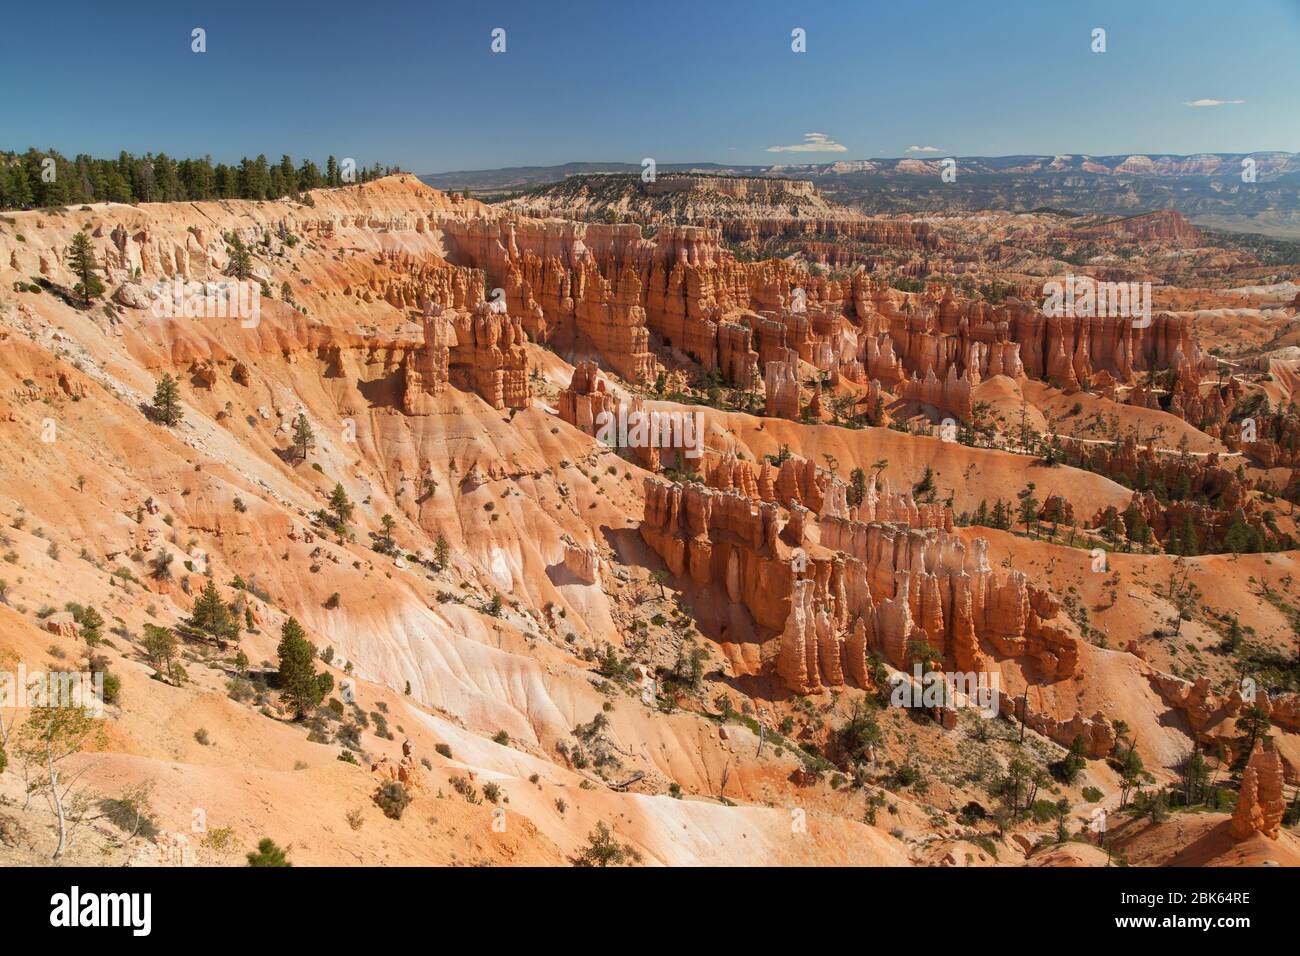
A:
[393, 799]
[268, 854]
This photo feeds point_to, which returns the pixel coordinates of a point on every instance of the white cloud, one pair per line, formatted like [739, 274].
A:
[924, 149]
[1200, 103]
[813, 143]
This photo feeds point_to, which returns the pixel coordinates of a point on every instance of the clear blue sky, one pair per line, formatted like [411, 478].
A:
[416, 83]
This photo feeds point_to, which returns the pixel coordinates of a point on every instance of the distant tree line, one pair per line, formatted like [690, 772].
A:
[29, 180]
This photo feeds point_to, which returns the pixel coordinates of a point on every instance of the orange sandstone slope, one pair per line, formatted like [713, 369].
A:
[537, 680]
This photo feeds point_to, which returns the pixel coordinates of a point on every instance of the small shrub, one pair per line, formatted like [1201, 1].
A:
[393, 799]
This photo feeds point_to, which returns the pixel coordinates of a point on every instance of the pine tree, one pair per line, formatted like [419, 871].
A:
[1132, 774]
[1196, 778]
[167, 402]
[340, 505]
[388, 525]
[268, 854]
[1254, 723]
[1075, 760]
[441, 550]
[18, 195]
[857, 487]
[241, 263]
[81, 260]
[1190, 544]
[304, 439]
[300, 686]
[159, 645]
[211, 617]
[1235, 635]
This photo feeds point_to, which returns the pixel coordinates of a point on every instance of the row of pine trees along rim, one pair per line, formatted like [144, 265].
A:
[46, 179]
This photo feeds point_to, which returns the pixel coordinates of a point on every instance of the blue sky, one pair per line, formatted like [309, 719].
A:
[417, 84]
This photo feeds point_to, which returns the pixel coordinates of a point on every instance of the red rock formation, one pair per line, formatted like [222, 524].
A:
[586, 398]
[781, 382]
[426, 371]
[859, 586]
[951, 395]
[1261, 802]
[584, 563]
[489, 345]
[737, 360]
[611, 318]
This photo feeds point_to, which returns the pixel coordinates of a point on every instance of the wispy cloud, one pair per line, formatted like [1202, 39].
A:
[813, 143]
[1201, 103]
[924, 149]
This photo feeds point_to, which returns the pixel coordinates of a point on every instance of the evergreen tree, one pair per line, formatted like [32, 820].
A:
[211, 617]
[857, 487]
[859, 737]
[1238, 538]
[241, 262]
[167, 401]
[1132, 774]
[1196, 778]
[268, 854]
[1254, 723]
[1075, 760]
[300, 686]
[17, 194]
[1137, 528]
[1232, 642]
[1190, 544]
[159, 645]
[81, 260]
[340, 505]
[304, 439]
